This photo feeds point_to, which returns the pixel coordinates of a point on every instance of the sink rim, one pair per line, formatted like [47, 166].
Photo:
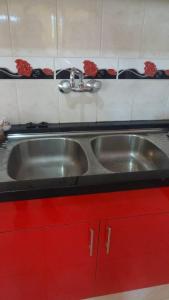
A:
[84, 165]
[95, 140]
[157, 137]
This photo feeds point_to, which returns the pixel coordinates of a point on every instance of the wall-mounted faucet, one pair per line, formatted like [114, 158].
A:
[78, 85]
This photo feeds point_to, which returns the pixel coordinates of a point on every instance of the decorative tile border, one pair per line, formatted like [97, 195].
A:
[98, 68]
[149, 71]
[101, 74]
[23, 69]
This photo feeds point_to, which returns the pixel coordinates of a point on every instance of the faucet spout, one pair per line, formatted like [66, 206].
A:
[73, 73]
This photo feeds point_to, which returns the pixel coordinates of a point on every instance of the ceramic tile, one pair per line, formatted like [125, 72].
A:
[33, 27]
[8, 101]
[37, 67]
[152, 293]
[105, 66]
[8, 63]
[41, 68]
[40, 62]
[5, 43]
[69, 62]
[77, 107]
[143, 68]
[115, 100]
[155, 41]
[79, 25]
[166, 116]
[38, 101]
[150, 100]
[122, 27]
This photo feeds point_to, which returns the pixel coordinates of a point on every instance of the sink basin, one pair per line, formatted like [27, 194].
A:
[128, 153]
[47, 158]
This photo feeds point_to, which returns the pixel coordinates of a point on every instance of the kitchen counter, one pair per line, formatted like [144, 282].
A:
[94, 180]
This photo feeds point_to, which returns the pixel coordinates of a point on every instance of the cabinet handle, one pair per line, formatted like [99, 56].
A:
[108, 240]
[91, 242]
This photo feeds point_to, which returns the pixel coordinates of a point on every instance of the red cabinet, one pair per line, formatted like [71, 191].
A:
[70, 248]
[22, 265]
[52, 263]
[133, 253]
[70, 253]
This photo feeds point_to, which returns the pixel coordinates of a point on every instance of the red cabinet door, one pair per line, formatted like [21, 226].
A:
[70, 254]
[52, 263]
[22, 267]
[133, 253]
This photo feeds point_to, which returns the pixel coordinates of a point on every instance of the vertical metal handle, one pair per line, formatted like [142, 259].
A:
[109, 230]
[91, 242]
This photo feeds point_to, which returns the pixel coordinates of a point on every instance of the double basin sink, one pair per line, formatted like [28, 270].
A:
[53, 157]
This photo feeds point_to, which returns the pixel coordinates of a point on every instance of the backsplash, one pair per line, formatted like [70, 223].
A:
[124, 69]
[122, 43]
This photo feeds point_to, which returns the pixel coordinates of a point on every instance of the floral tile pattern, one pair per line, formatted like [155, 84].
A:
[150, 72]
[90, 70]
[138, 69]
[24, 70]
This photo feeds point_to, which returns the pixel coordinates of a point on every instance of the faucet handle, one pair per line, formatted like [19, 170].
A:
[64, 86]
[94, 85]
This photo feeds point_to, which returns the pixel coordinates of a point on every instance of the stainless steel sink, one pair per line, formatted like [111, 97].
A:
[47, 158]
[51, 155]
[128, 153]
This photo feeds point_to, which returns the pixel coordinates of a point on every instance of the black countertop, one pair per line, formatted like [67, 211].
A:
[32, 189]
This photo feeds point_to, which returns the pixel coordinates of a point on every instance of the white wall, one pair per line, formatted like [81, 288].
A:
[114, 33]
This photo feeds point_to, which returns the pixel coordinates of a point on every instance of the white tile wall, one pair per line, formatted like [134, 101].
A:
[79, 29]
[62, 33]
[78, 107]
[150, 99]
[8, 101]
[5, 42]
[115, 100]
[33, 27]
[73, 28]
[122, 27]
[38, 100]
[155, 39]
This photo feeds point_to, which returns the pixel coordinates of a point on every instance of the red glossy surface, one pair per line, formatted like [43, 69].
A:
[74, 209]
[70, 270]
[22, 266]
[139, 254]
[44, 245]
[53, 263]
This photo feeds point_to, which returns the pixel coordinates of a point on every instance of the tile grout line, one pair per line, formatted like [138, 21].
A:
[56, 28]
[101, 27]
[10, 30]
[17, 100]
[142, 30]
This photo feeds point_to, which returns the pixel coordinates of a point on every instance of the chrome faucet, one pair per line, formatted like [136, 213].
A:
[66, 86]
[73, 73]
